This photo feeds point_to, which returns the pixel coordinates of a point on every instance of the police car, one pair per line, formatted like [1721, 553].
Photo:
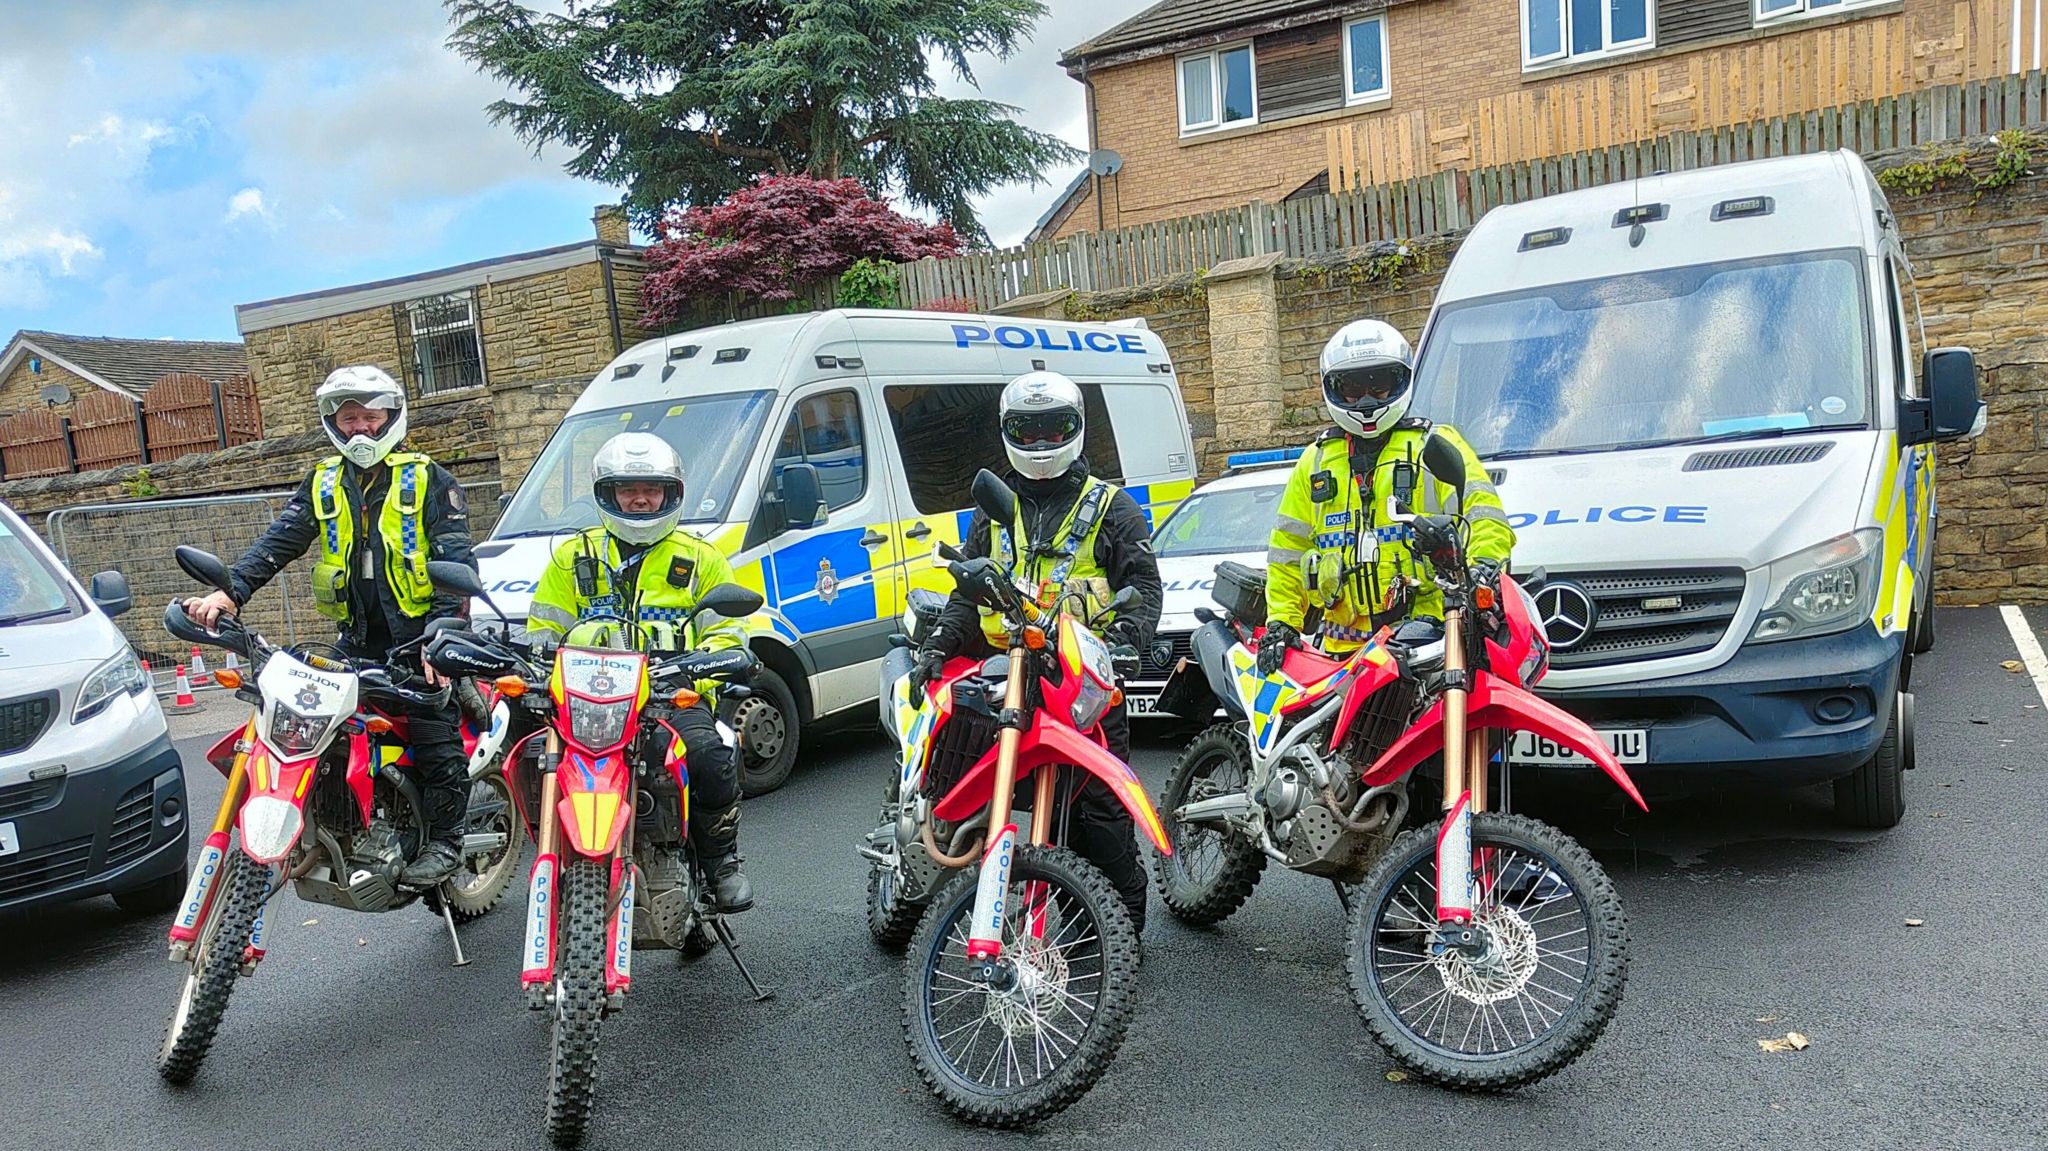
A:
[1228, 518]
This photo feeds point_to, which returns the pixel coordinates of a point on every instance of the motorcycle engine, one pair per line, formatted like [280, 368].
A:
[662, 906]
[1314, 837]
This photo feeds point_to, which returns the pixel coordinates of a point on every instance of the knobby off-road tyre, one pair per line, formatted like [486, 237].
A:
[1211, 871]
[769, 729]
[1391, 911]
[579, 1001]
[892, 919]
[1089, 927]
[478, 891]
[217, 962]
[1874, 795]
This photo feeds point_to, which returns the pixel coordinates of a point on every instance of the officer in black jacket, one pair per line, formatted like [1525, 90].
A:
[1083, 535]
[373, 517]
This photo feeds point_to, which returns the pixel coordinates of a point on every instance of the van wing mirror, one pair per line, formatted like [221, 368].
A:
[803, 498]
[205, 567]
[1444, 461]
[1954, 408]
[994, 498]
[110, 591]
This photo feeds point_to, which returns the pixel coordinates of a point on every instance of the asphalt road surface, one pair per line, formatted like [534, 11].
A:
[357, 1032]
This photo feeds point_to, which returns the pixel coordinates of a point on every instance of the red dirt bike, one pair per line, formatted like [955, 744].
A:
[1486, 950]
[614, 873]
[317, 795]
[1023, 968]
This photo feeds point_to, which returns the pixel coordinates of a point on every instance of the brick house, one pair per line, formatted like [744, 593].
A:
[34, 361]
[1215, 103]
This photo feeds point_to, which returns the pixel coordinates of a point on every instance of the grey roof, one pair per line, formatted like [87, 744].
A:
[131, 366]
[1066, 196]
[1171, 21]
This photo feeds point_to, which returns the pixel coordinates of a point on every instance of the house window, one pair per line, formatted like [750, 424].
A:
[446, 342]
[1365, 60]
[1776, 9]
[1554, 30]
[1216, 89]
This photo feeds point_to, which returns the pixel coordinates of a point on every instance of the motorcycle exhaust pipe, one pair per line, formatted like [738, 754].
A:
[479, 843]
[1216, 809]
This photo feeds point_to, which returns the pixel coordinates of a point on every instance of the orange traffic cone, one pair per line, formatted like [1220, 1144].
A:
[199, 674]
[232, 665]
[184, 698]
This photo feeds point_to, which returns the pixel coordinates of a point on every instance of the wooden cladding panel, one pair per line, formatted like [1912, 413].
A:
[1690, 21]
[1300, 71]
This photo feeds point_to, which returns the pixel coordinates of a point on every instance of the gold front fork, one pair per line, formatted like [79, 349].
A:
[551, 758]
[238, 781]
[1455, 700]
[1006, 755]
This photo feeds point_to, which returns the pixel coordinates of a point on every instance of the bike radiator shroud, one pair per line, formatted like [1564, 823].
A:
[1317, 842]
[964, 739]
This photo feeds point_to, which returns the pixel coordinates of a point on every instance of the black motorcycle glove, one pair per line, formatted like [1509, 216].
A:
[1274, 644]
[925, 667]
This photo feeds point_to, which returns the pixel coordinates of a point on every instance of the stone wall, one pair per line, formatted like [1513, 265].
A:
[547, 326]
[524, 415]
[289, 362]
[22, 389]
[1316, 297]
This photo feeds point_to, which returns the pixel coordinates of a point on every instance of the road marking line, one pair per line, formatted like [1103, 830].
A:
[2024, 639]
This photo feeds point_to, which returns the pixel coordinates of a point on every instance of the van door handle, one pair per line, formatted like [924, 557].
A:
[917, 532]
[873, 539]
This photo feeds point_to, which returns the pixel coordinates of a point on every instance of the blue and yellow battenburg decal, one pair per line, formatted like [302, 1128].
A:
[916, 723]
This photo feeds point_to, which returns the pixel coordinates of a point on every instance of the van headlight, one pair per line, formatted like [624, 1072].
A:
[1829, 587]
[119, 676]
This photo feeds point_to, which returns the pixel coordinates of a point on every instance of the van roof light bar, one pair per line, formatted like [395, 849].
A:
[1641, 214]
[1253, 459]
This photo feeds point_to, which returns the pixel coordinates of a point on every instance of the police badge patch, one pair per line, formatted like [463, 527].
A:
[308, 698]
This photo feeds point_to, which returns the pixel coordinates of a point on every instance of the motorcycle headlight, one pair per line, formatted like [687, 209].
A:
[270, 826]
[1098, 676]
[1090, 705]
[1826, 588]
[119, 676]
[598, 726]
[296, 733]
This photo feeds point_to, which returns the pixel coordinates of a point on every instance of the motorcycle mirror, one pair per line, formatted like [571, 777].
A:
[459, 579]
[205, 567]
[1125, 599]
[730, 600]
[1443, 460]
[994, 498]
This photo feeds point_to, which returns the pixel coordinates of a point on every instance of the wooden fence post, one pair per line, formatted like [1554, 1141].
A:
[1259, 223]
[141, 435]
[70, 446]
[220, 417]
[1081, 261]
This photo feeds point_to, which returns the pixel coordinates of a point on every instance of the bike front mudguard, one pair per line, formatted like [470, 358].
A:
[1049, 743]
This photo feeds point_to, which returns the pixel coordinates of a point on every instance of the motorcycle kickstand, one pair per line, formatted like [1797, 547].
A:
[725, 936]
[448, 917]
[1343, 894]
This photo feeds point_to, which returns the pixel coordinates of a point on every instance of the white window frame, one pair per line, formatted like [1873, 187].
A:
[1216, 122]
[1385, 91]
[1609, 49]
[1802, 10]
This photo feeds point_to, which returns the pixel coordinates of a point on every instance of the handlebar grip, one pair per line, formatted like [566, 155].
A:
[951, 554]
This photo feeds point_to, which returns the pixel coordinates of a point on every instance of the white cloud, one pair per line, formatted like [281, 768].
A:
[247, 202]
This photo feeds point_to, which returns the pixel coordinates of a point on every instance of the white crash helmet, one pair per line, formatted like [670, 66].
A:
[372, 387]
[637, 457]
[1367, 371]
[1042, 421]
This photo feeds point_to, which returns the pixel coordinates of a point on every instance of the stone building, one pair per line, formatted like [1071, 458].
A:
[34, 361]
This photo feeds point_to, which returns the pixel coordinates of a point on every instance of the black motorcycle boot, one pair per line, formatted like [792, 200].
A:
[718, 853]
[436, 861]
[1111, 844]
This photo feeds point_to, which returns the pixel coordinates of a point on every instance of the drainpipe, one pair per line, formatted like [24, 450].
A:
[1093, 144]
[611, 297]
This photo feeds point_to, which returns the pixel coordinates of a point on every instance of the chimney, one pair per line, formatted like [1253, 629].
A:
[612, 226]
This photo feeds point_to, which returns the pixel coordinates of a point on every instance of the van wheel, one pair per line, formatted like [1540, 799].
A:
[768, 729]
[1923, 627]
[1874, 795]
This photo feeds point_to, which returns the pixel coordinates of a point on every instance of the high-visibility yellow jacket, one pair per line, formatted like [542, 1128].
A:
[666, 582]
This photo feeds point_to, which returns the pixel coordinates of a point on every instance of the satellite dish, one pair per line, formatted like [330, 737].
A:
[1104, 162]
[54, 394]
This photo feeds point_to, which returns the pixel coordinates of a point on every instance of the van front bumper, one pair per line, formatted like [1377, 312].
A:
[1790, 713]
[96, 829]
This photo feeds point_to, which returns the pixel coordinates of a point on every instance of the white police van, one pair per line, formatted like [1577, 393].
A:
[1706, 403]
[827, 454]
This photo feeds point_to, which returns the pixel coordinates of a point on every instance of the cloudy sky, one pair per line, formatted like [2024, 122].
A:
[161, 162]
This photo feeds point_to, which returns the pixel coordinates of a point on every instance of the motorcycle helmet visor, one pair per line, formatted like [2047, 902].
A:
[626, 496]
[1042, 431]
[1369, 384]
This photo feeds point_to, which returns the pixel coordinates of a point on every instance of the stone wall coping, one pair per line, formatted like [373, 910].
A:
[1032, 304]
[1241, 268]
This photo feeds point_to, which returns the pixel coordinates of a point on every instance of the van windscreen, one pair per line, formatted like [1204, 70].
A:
[29, 588]
[715, 435]
[1714, 351]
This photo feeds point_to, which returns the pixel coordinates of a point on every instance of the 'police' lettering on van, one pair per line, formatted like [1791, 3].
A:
[1011, 336]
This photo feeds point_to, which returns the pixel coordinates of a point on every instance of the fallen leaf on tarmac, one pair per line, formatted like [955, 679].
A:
[309, 923]
[1768, 1018]
[1793, 1041]
[1937, 815]
[2013, 665]
[1980, 720]
[1916, 923]
[361, 942]
[1397, 1076]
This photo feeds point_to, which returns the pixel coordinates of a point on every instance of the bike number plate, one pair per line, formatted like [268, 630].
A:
[9, 841]
[1629, 745]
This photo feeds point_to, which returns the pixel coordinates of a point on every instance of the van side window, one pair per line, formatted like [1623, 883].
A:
[1902, 347]
[824, 431]
[947, 432]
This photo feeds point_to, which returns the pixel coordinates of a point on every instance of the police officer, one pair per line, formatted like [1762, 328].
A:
[1075, 534]
[376, 514]
[638, 565]
[1336, 555]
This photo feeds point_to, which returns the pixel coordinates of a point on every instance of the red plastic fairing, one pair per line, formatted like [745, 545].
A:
[1372, 676]
[1497, 705]
[1505, 660]
[222, 754]
[361, 775]
[1050, 743]
[511, 773]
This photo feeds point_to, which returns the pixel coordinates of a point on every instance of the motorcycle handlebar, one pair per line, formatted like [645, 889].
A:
[227, 632]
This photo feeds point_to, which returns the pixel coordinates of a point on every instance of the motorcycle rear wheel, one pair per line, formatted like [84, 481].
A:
[216, 962]
[892, 917]
[1550, 983]
[480, 883]
[1212, 870]
[1076, 989]
[579, 1001]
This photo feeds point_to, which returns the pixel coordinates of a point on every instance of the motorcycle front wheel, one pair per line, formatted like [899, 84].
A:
[1015, 1050]
[1533, 991]
[215, 964]
[579, 1001]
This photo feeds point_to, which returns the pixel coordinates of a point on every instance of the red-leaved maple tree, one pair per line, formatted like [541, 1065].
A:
[770, 239]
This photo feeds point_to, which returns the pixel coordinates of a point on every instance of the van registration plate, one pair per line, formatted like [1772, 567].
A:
[9, 842]
[1142, 704]
[1629, 745]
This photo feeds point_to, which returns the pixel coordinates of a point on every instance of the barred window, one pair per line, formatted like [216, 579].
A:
[445, 342]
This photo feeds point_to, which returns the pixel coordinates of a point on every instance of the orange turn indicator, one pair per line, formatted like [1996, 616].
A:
[228, 678]
[1034, 637]
[684, 697]
[511, 686]
[377, 725]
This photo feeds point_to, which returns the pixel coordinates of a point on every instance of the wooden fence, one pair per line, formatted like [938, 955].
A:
[1452, 199]
[179, 415]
